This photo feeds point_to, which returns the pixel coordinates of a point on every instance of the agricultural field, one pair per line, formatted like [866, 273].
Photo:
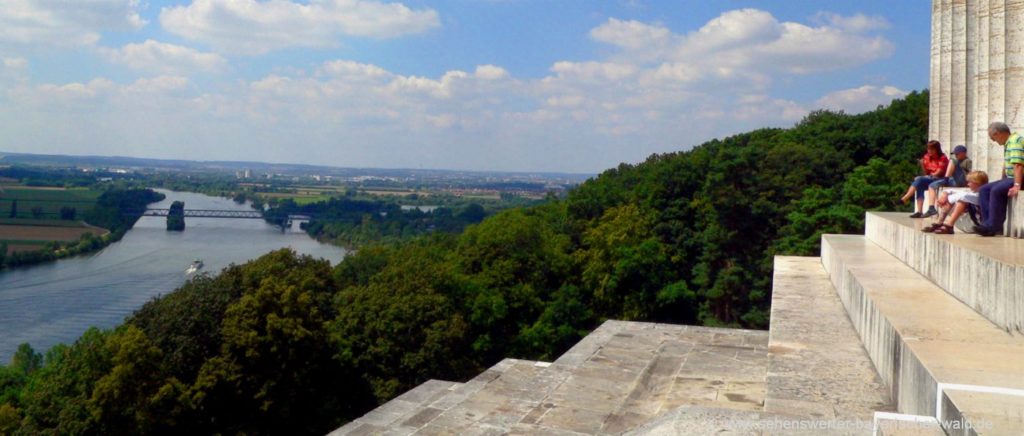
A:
[33, 237]
[37, 218]
[46, 203]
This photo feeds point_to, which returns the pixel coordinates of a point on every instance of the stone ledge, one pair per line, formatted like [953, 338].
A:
[916, 334]
[817, 366]
[986, 274]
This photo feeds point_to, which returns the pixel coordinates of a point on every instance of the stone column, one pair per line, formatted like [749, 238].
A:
[996, 82]
[978, 148]
[957, 75]
[946, 73]
[934, 79]
[971, 71]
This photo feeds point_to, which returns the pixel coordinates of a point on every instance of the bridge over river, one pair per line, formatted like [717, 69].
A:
[226, 213]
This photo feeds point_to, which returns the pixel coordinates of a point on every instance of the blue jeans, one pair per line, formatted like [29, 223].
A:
[993, 200]
[921, 185]
[942, 182]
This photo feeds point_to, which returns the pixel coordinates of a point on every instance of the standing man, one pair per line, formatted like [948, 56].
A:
[993, 196]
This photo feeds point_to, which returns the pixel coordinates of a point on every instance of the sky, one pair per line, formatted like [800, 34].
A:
[498, 85]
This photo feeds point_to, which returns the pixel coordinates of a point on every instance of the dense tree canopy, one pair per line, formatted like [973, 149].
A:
[289, 344]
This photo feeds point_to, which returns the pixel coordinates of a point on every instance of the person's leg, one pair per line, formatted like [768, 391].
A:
[984, 196]
[910, 194]
[932, 193]
[958, 209]
[920, 186]
[997, 204]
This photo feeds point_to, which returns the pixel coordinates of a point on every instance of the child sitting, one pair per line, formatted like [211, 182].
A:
[953, 203]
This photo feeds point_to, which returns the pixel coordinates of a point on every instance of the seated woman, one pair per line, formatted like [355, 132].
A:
[955, 203]
[933, 164]
[956, 176]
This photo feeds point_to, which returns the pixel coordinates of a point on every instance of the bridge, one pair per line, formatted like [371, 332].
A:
[209, 213]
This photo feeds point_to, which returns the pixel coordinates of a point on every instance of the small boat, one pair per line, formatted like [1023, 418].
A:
[195, 266]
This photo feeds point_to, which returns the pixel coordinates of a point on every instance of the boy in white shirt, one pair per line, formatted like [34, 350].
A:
[954, 203]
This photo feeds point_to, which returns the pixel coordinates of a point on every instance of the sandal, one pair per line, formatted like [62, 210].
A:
[944, 230]
[932, 227]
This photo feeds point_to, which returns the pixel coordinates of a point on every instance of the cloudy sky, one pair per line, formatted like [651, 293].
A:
[517, 85]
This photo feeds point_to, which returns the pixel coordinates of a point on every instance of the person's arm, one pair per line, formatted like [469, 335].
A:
[950, 168]
[937, 172]
[1018, 177]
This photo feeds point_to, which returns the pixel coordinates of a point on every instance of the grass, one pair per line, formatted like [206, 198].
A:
[40, 222]
[23, 241]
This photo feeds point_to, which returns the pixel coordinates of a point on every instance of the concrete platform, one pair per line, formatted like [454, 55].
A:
[623, 375]
[986, 274]
[817, 366]
[918, 335]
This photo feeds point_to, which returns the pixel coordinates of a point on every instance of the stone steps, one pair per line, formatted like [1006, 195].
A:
[919, 336]
[817, 366]
[986, 274]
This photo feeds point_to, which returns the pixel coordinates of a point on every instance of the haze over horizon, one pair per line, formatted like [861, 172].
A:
[490, 85]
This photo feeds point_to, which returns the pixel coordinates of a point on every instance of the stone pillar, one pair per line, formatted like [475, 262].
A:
[971, 71]
[977, 149]
[934, 79]
[946, 73]
[996, 82]
[1014, 85]
[957, 75]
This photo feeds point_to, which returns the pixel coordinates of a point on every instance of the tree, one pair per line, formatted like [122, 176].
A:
[26, 360]
[67, 213]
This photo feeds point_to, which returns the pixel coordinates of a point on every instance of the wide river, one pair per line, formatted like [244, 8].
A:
[55, 302]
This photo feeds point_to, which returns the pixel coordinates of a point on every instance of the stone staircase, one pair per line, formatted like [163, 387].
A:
[889, 333]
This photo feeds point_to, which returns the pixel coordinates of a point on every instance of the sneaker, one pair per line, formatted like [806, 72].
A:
[930, 213]
[917, 215]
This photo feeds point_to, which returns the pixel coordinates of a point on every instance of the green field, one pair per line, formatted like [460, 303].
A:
[50, 200]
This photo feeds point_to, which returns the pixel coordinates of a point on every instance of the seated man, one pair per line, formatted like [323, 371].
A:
[955, 203]
[956, 176]
[993, 196]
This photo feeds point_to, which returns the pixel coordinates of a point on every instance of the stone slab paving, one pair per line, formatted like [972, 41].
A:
[700, 420]
[619, 377]
[817, 366]
[396, 412]
[894, 427]
[917, 334]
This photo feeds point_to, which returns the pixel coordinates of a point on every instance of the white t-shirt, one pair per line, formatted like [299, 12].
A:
[964, 195]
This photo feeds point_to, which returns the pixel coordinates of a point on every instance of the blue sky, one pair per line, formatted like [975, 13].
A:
[517, 85]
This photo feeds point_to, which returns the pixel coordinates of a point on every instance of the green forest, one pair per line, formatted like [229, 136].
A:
[290, 344]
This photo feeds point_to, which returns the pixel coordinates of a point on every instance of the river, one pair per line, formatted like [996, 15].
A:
[55, 302]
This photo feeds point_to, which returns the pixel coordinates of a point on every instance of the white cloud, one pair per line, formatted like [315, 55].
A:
[862, 99]
[163, 58]
[854, 23]
[657, 91]
[256, 27]
[159, 85]
[593, 71]
[631, 34]
[490, 72]
[65, 23]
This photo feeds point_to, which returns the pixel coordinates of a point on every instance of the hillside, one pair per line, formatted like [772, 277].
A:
[291, 344]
